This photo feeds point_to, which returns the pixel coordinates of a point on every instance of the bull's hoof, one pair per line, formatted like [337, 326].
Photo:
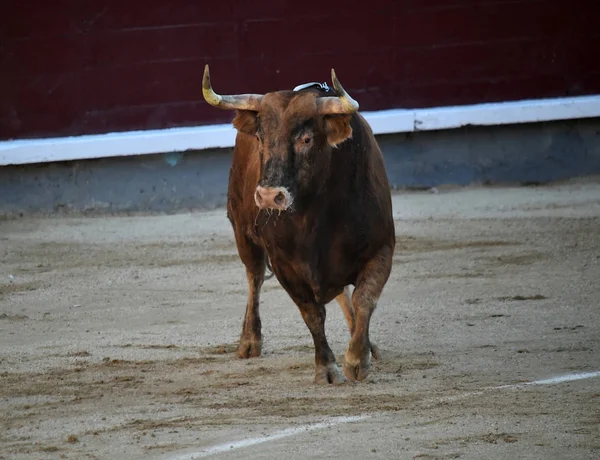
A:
[357, 369]
[329, 374]
[375, 353]
[249, 348]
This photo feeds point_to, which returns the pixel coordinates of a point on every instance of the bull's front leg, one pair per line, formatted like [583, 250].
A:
[251, 338]
[253, 257]
[369, 286]
[326, 369]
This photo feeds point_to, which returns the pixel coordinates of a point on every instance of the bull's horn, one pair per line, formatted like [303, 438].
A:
[233, 102]
[344, 104]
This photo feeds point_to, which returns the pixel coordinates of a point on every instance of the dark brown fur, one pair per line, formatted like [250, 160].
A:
[339, 231]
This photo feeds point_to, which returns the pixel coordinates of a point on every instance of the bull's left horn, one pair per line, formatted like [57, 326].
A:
[344, 104]
[233, 102]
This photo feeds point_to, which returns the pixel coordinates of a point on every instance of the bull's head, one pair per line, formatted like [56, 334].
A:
[295, 133]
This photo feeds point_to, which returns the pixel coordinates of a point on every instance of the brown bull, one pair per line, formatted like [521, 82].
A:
[308, 191]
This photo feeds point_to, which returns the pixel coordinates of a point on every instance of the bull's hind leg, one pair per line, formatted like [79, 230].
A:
[326, 369]
[369, 285]
[253, 257]
[345, 302]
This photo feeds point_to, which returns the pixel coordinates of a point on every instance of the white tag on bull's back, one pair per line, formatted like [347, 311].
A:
[314, 83]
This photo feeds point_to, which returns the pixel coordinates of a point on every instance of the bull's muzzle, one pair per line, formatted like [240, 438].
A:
[277, 198]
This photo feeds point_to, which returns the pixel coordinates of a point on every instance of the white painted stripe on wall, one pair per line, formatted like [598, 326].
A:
[507, 113]
[115, 144]
[223, 135]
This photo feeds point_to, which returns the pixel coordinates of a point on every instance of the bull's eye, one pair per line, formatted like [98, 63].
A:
[303, 143]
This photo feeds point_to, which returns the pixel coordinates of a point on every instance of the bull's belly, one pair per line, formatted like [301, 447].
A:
[307, 283]
[316, 265]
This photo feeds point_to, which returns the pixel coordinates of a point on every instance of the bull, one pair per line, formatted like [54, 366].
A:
[308, 197]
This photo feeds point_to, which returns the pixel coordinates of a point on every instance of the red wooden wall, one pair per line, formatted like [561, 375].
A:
[73, 67]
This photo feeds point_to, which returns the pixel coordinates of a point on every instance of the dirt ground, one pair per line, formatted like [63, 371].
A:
[117, 338]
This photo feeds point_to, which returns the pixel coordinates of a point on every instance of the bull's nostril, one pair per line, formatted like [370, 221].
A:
[280, 198]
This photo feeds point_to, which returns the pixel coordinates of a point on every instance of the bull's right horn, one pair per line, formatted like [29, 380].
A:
[232, 102]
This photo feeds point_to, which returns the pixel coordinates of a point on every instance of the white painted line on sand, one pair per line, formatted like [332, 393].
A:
[514, 386]
[229, 446]
[554, 380]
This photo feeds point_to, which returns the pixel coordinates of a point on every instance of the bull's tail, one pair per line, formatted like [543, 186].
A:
[268, 262]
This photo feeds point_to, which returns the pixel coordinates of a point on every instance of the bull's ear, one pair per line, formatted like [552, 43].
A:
[337, 128]
[246, 122]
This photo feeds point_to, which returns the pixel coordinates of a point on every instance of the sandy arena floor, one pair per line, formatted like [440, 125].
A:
[117, 339]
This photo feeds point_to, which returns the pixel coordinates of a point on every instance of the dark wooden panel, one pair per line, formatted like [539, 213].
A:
[482, 23]
[293, 37]
[75, 67]
[589, 80]
[489, 90]
[146, 83]
[42, 56]
[356, 71]
[313, 10]
[464, 63]
[151, 116]
[103, 15]
[45, 18]
[38, 18]
[42, 105]
[162, 44]
[408, 5]
[377, 97]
